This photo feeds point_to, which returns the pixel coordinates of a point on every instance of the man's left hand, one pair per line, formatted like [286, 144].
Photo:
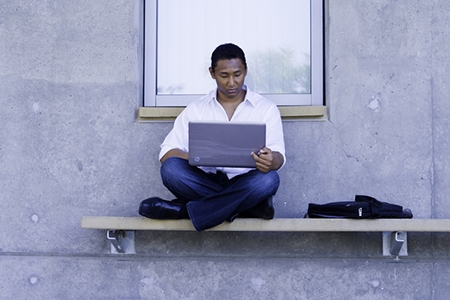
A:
[267, 160]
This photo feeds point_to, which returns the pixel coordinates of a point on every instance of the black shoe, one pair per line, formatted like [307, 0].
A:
[157, 208]
[263, 210]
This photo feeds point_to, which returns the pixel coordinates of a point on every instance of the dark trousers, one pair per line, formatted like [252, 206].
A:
[213, 198]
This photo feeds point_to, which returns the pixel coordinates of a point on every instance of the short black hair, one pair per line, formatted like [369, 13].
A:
[227, 51]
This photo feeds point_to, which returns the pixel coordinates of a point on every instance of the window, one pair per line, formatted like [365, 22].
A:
[282, 40]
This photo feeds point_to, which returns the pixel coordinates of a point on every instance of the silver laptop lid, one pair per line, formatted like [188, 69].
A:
[225, 144]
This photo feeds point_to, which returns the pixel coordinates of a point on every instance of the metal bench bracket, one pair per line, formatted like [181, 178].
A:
[395, 243]
[122, 241]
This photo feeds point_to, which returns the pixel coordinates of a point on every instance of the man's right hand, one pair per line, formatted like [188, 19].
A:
[175, 152]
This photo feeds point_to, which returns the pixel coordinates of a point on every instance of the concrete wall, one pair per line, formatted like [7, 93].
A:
[70, 84]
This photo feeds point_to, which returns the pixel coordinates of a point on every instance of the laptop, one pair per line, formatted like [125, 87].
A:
[227, 144]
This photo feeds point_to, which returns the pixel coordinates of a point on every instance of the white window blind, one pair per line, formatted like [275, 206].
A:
[282, 41]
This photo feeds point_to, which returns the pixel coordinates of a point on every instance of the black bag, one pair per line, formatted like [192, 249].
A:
[364, 207]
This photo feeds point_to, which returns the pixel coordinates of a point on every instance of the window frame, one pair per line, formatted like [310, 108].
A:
[315, 98]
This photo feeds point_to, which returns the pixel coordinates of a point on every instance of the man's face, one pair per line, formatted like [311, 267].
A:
[229, 75]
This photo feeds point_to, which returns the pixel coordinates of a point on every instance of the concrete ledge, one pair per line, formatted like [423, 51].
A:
[299, 113]
[278, 224]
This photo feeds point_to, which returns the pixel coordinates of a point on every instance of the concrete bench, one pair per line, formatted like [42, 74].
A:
[120, 230]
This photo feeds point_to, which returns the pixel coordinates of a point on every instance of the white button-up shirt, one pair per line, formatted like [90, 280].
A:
[255, 108]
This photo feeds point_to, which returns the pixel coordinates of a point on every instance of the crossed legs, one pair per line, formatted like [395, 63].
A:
[213, 198]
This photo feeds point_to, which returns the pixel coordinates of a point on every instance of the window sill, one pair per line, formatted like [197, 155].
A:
[288, 113]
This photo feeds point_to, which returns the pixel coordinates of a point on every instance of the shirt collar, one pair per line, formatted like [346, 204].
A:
[249, 96]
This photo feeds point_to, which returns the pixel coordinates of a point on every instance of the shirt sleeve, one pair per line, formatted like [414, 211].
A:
[274, 134]
[177, 137]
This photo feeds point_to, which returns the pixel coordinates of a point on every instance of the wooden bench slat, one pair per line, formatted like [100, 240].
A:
[277, 224]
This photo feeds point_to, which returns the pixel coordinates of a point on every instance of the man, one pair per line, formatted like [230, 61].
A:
[206, 195]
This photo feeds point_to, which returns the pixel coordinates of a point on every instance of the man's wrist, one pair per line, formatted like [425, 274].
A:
[278, 160]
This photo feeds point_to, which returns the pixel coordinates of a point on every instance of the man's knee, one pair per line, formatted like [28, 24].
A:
[171, 169]
[176, 171]
[172, 165]
[272, 179]
[266, 182]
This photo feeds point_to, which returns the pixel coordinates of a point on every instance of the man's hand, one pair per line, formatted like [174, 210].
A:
[175, 152]
[267, 160]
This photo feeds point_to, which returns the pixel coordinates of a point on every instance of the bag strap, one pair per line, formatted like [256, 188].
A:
[375, 205]
[368, 199]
